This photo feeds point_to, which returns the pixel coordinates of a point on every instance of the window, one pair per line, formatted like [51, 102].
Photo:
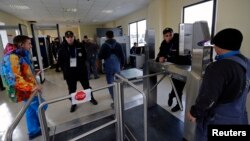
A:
[202, 11]
[4, 36]
[137, 32]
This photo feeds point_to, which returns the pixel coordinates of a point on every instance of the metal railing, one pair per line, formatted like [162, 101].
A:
[144, 103]
[9, 133]
[118, 110]
[165, 73]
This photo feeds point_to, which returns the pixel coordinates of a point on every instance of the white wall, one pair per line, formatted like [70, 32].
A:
[235, 14]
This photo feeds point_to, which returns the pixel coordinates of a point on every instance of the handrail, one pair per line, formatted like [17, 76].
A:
[144, 101]
[42, 117]
[165, 74]
[12, 127]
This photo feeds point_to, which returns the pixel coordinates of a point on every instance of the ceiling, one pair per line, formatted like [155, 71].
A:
[71, 12]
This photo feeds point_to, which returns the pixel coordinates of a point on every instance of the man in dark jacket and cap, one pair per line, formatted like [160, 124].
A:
[72, 59]
[169, 52]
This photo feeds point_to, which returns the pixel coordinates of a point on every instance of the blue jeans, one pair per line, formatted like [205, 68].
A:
[111, 66]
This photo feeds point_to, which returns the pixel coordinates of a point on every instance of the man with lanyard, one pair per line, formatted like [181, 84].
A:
[223, 93]
[112, 53]
[71, 58]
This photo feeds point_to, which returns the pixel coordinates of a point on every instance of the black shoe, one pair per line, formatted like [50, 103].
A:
[93, 101]
[97, 77]
[170, 100]
[73, 108]
[176, 108]
[112, 105]
[3, 88]
[35, 135]
[58, 71]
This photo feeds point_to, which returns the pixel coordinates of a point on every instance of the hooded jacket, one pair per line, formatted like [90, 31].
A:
[17, 73]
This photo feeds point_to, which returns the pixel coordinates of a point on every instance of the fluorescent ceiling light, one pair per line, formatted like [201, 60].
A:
[107, 11]
[19, 7]
[70, 9]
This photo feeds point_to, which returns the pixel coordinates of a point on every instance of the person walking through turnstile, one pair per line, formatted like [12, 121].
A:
[19, 76]
[114, 60]
[169, 51]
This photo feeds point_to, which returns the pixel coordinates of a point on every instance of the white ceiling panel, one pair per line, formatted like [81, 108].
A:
[83, 11]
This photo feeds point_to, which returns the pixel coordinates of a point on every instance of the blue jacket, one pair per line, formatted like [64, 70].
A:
[106, 51]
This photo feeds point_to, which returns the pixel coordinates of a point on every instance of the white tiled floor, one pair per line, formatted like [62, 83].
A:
[58, 113]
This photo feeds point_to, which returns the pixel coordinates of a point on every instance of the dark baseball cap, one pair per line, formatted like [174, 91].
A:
[69, 34]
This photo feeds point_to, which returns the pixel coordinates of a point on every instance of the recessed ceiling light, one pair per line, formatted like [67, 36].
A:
[107, 11]
[70, 9]
[20, 7]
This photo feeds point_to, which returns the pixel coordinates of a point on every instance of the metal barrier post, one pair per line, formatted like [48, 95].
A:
[144, 103]
[118, 89]
[43, 122]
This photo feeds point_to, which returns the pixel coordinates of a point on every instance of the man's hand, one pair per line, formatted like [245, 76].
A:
[37, 87]
[191, 118]
[38, 71]
[162, 59]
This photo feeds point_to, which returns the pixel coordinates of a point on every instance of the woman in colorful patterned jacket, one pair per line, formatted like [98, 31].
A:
[19, 76]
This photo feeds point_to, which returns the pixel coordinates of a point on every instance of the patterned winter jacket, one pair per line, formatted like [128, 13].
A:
[17, 72]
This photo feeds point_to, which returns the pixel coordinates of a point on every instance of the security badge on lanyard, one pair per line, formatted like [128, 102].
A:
[72, 62]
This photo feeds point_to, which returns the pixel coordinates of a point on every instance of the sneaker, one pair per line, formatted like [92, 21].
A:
[73, 108]
[31, 137]
[93, 101]
[175, 108]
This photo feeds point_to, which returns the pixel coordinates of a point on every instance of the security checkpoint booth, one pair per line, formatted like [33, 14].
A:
[190, 36]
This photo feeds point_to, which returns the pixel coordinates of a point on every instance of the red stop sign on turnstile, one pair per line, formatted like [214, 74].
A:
[80, 95]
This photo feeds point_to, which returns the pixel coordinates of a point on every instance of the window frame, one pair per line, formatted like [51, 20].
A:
[137, 38]
[213, 14]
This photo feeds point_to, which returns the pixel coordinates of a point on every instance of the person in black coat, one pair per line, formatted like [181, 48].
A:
[169, 52]
[72, 60]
